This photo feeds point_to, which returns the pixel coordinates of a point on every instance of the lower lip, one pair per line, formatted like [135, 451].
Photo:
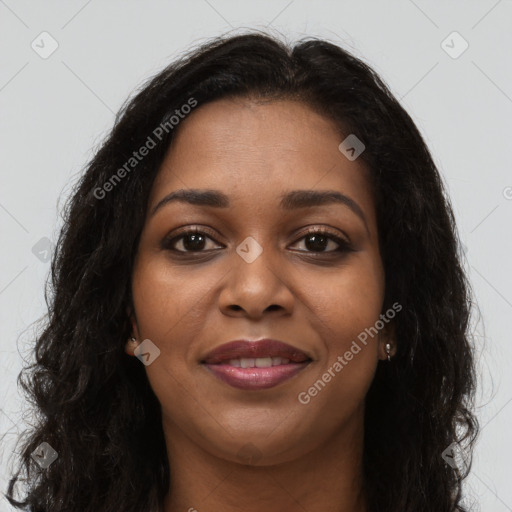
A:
[255, 378]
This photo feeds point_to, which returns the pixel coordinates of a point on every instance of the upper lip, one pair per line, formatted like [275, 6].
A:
[253, 349]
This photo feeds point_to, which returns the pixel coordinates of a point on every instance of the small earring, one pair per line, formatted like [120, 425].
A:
[388, 351]
[132, 341]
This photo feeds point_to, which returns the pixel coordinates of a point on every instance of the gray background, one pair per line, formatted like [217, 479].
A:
[55, 111]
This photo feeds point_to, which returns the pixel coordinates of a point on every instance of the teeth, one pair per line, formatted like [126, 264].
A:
[247, 362]
[258, 362]
[263, 362]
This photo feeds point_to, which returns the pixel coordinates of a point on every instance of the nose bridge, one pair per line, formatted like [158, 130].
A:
[255, 283]
[255, 267]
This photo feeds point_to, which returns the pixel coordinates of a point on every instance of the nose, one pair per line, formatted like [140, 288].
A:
[255, 288]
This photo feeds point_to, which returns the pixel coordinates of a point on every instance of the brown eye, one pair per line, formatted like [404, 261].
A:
[189, 241]
[323, 241]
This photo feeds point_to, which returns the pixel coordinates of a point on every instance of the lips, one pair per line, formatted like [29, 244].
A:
[255, 349]
[255, 365]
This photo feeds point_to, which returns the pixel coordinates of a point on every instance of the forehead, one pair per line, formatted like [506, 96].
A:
[254, 152]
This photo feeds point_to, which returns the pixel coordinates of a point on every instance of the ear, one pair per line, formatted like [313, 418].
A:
[387, 335]
[131, 345]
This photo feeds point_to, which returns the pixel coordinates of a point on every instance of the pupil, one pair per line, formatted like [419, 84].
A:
[320, 241]
[193, 242]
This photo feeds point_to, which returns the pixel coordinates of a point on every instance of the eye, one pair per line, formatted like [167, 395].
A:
[190, 241]
[316, 241]
[319, 240]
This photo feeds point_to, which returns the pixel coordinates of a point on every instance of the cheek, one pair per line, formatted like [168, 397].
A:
[346, 310]
[168, 311]
[170, 306]
[348, 302]
[167, 300]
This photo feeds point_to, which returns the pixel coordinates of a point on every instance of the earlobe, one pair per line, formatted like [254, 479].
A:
[387, 343]
[130, 346]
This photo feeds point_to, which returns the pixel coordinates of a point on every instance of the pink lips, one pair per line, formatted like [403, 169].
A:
[255, 378]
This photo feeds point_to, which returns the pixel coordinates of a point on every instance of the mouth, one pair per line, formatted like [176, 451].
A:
[255, 365]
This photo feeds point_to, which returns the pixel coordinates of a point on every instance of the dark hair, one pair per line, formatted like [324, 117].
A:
[94, 402]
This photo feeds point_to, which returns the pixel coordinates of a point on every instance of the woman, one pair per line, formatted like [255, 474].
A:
[266, 231]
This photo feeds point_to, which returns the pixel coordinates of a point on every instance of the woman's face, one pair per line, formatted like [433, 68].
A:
[254, 272]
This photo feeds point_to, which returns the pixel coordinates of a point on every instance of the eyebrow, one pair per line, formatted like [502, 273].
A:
[292, 200]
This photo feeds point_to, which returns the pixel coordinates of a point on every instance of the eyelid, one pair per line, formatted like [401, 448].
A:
[326, 230]
[194, 229]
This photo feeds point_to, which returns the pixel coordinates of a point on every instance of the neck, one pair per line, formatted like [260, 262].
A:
[327, 479]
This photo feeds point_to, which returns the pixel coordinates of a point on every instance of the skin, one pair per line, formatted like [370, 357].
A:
[306, 456]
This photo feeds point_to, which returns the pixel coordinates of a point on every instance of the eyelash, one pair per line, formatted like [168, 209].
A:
[344, 245]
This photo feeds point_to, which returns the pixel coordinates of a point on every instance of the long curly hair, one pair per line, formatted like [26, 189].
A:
[93, 402]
